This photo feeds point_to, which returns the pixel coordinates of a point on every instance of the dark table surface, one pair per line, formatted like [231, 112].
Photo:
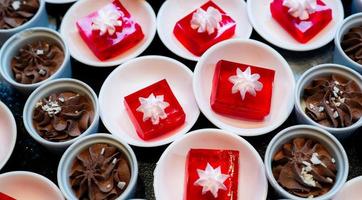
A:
[31, 156]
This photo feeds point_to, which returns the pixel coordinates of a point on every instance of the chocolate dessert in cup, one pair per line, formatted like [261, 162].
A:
[112, 174]
[19, 15]
[8, 134]
[60, 112]
[329, 96]
[33, 57]
[305, 162]
[348, 43]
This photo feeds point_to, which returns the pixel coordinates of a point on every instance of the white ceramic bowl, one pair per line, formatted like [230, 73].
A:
[263, 22]
[140, 11]
[8, 134]
[49, 88]
[247, 52]
[23, 185]
[19, 40]
[352, 190]
[69, 155]
[135, 75]
[174, 10]
[169, 175]
[306, 78]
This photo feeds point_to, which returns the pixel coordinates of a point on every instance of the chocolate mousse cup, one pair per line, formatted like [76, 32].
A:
[21, 15]
[33, 57]
[111, 153]
[348, 43]
[323, 172]
[329, 96]
[60, 112]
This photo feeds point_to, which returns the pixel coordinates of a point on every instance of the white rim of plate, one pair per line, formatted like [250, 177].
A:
[347, 185]
[13, 133]
[60, 1]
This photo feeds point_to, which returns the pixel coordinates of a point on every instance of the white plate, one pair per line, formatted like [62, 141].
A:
[173, 10]
[141, 12]
[247, 52]
[135, 75]
[262, 21]
[352, 190]
[60, 1]
[169, 175]
[23, 185]
[7, 134]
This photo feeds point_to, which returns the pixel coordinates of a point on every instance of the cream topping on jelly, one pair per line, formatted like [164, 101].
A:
[211, 180]
[153, 107]
[301, 8]
[107, 21]
[245, 82]
[206, 21]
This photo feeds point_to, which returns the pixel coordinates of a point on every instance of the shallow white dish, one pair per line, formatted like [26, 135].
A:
[135, 75]
[352, 190]
[262, 21]
[247, 52]
[141, 12]
[169, 175]
[8, 134]
[173, 10]
[23, 185]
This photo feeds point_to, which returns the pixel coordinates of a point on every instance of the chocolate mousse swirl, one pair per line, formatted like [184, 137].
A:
[36, 62]
[14, 13]
[304, 168]
[333, 101]
[352, 44]
[100, 172]
[63, 116]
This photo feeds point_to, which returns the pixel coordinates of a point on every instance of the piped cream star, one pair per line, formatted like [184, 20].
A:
[211, 180]
[153, 107]
[107, 21]
[208, 20]
[245, 82]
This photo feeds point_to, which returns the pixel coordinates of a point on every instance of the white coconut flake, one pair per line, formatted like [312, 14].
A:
[16, 5]
[121, 185]
[39, 52]
[320, 109]
[335, 114]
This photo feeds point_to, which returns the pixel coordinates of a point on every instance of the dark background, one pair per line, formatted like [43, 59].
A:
[31, 156]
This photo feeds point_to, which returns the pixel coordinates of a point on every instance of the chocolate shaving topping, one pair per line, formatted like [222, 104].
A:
[304, 168]
[100, 172]
[333, 101]
[14, 13]
[352, 44]
[36, 62]
[63, 116]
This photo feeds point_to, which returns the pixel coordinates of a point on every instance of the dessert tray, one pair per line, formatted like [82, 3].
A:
[180, 99]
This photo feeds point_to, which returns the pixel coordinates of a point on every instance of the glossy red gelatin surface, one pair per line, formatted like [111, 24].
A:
[302, 30]
[198, 43]
[228, 160]
[108, 46]
[224, 102]
[175, 114]
[5, 197]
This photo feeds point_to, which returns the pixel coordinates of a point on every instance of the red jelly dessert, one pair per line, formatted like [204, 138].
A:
[110, 31]
[204, 27]
[5, 197]
[242, 91]
[154, 110]
[212, 174]
[303, 19]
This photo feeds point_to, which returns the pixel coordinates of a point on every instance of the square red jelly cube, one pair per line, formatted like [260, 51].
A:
[199, 164]
[302, 30]
[154, 110]
[5, 197]
[198, 42]
[110, 31]
[227, 101]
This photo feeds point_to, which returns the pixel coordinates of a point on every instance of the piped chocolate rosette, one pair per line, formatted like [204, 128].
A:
[352, 44]
[333, 101]
[304, 168]
[36, 62]
[63, 116]
[14, 13]
[100, 172]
